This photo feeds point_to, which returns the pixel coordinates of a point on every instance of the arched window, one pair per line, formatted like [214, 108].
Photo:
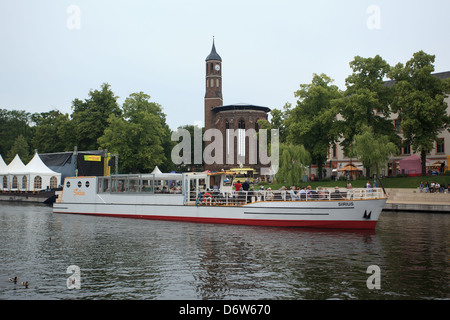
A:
[241, 142]
[15, 183]
[5, 182]
[227, 124]
[53, 182]
[37, 182]
[24, 182]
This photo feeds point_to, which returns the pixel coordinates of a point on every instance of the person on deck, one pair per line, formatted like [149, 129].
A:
[238, 186]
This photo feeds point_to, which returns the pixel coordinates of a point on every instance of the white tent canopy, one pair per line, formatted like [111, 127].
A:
[156, 170]
[3, 172]
[35, 176]
[10, 179]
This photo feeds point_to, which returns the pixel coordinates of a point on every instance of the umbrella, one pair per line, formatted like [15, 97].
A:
[350, 167]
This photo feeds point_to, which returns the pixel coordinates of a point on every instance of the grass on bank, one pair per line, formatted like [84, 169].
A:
[388, 182]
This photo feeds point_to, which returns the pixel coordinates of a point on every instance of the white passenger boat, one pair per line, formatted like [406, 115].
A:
[209, 198]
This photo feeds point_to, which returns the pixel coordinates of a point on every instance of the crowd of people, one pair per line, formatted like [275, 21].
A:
[433, 187]
[295, 193]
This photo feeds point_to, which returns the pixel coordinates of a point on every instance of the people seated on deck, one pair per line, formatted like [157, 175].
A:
[302, 193]
[337, 194]
[292, 193]
[269, 194]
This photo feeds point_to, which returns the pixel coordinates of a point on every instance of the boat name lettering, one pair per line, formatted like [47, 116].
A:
[78, 192]
[345, 204]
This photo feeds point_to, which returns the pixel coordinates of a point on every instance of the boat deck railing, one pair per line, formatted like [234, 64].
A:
[237, 198]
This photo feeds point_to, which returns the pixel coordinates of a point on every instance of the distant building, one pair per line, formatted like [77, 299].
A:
[440, 153]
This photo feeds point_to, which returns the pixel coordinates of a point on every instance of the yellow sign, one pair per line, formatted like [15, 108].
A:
[92, 158]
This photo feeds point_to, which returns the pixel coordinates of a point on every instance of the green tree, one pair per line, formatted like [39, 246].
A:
[372, 150]
[366, 101]
[20, 147]
[13, 123]
[278, 120]
[294, 160]
[419, 102]
[312, 122]
[90, 117]
[52, 132]
[139, 137]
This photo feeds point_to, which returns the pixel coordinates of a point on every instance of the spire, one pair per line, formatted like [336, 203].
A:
[213, 55]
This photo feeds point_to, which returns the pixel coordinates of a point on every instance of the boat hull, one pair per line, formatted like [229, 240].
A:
[359, 214]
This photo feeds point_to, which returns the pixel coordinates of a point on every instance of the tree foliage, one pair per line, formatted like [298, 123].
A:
[312, 122]
[13, 123]
[91, 116]
[138, 136]
[19, 147]
[294, 160]
[372, 150]
[419, 102]
[52, 132]
[366, 101]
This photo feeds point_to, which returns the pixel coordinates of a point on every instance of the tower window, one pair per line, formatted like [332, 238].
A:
[217, 83]
[241, 124]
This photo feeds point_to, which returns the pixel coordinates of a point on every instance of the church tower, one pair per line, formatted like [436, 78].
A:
[213, 96]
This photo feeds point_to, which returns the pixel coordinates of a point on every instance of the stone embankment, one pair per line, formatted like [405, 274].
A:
[413, 200]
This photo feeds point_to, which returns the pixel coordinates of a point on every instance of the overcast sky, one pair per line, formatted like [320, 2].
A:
[53, 51]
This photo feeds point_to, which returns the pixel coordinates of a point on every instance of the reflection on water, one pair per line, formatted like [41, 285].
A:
[137, 259]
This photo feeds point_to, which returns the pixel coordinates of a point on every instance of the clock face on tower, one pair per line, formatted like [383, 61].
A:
[217, 67]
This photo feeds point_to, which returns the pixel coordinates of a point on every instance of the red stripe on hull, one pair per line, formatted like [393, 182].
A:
[323, 224]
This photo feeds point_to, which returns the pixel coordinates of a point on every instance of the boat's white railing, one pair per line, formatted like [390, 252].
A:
[216, 197]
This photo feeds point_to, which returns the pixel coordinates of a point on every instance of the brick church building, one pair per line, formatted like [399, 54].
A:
[233, 121]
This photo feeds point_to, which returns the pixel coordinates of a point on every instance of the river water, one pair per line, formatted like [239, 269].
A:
[140, 259]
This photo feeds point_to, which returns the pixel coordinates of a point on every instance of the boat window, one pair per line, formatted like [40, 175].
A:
[228, 179]
[133, 184]
[147, 185]
[118, 184]
[103, 184]
[87, 184]
[68, 184]
[202, 184]
[79, 184]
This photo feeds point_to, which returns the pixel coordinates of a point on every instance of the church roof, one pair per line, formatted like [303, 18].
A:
[241, 106]
[213, 55]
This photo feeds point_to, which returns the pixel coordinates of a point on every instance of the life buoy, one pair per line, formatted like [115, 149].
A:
[205, 196]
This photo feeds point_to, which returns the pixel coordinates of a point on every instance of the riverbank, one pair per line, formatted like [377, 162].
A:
[410, 199]
[47, 197]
